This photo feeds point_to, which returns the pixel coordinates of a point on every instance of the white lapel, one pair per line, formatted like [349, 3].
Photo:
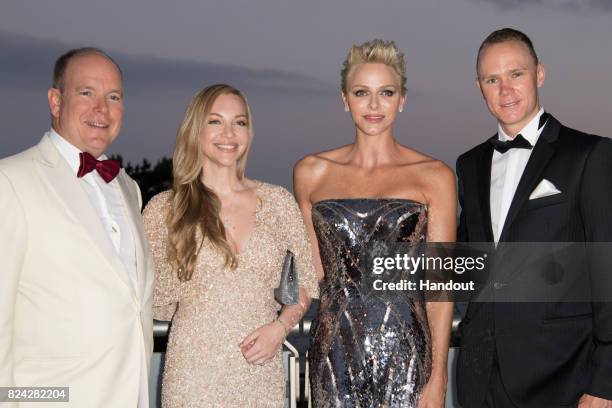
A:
[65, 186]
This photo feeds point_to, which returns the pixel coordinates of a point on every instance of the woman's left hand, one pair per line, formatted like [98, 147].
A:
[433, 394]
[263, 343]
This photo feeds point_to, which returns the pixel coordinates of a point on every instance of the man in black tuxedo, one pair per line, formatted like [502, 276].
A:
[534, 181]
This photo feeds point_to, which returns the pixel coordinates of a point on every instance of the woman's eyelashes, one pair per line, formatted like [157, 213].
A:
[365, 92]
[240, 122]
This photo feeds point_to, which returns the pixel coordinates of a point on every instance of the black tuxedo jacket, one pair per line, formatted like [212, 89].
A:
[549, 354]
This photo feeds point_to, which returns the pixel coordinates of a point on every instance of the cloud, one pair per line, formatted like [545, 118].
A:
[510, 4]
[570, 5]
[27, 65]
[601, 4]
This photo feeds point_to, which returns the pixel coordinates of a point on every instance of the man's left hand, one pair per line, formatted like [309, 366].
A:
[589, 401]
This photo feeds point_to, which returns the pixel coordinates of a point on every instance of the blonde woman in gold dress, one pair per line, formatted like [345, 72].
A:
[219, 240]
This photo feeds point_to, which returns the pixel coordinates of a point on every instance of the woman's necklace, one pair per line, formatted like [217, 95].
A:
[227, 223]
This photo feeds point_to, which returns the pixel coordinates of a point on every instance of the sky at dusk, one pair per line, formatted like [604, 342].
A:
[287, 57]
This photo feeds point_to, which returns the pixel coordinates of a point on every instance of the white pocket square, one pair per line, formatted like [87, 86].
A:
[544, 189]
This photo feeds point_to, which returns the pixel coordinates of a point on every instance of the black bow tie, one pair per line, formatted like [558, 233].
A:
[519, 142]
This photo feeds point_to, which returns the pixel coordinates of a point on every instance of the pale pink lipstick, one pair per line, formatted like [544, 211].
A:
[227, 147]
[374, 118]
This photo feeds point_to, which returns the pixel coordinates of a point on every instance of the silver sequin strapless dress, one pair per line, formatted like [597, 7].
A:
[369, 348]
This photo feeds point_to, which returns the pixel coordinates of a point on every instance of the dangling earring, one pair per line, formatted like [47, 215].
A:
[346, 108]
[401, 109]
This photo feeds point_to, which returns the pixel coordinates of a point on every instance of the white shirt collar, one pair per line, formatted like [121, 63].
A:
[68, 151]
[529, 132]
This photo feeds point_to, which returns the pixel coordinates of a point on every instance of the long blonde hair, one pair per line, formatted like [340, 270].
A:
[194, 211]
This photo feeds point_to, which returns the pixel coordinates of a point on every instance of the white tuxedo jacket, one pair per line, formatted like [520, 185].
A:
[69, 315]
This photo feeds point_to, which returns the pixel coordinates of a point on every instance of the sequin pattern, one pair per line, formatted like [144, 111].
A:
[212, 313]
[369, 348]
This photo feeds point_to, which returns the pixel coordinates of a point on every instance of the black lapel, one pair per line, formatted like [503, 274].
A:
[532, 175]
[483, 177]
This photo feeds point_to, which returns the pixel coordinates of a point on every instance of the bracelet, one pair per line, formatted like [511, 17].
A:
[285, 329]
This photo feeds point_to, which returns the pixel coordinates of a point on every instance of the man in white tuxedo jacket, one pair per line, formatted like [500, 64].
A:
[76, 275]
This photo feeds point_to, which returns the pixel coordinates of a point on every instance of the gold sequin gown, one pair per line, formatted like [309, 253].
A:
[219, 307]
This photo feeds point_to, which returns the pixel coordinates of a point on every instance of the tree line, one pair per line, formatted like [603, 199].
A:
[152, 178]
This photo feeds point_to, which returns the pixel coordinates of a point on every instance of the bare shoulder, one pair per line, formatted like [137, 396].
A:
[316, 164]
[427, 166]
[311, 170]
[308, 167]
[435, 178]
[437, 171]
[438, 181]
[307, 175]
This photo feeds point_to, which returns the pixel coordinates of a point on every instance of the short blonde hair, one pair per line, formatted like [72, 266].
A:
[375, 51]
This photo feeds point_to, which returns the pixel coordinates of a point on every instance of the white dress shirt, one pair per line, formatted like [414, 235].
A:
[109, 204]
[506, 172]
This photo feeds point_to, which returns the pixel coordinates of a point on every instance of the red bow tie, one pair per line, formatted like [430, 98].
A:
[107, 169]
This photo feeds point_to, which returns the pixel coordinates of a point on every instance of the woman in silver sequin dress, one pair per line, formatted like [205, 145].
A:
[219, 240]
[371, 348]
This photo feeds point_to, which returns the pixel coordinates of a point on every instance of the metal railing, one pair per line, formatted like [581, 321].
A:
[299, 335]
